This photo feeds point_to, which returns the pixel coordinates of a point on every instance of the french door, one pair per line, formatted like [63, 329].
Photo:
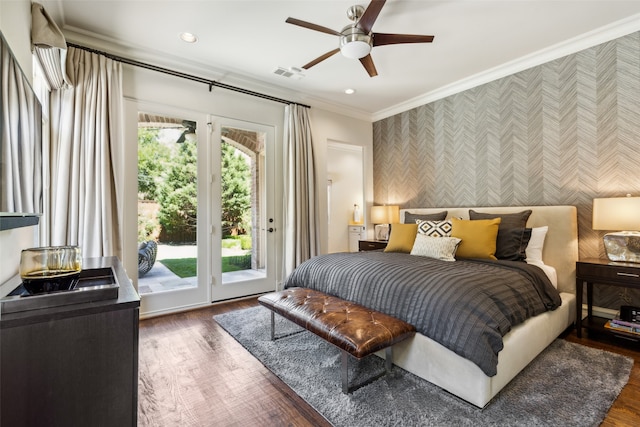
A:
[243, 232]
[205, 201]
[173, 209]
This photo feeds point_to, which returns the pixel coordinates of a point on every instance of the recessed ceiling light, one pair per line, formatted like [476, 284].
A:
[349, 91]
[188, 37]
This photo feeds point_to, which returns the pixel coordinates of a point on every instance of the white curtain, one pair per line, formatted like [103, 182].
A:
[20, 140]
[301, 236]
[86, 124]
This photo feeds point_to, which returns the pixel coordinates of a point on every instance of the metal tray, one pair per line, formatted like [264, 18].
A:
[94, 284]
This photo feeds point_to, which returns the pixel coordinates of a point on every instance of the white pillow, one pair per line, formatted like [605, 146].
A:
[442, 248]
[536, 243]
[534, 253]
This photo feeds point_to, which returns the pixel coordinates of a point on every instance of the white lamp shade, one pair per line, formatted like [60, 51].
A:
[355, 49]
[616, 213]
[385, 214]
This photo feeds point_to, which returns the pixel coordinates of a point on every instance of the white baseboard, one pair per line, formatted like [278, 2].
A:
[607, 313]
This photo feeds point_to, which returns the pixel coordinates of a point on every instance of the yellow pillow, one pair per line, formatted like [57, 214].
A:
[478, 237]
[402, 238]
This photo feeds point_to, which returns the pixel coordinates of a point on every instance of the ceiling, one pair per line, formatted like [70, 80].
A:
[242, 43]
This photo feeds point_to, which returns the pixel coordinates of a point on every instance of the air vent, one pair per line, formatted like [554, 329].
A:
[291, 72]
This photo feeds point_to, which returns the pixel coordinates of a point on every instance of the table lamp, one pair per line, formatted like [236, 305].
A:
[619, 213]
[382, 217]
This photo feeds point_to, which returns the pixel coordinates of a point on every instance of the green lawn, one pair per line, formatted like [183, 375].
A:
[186, 267]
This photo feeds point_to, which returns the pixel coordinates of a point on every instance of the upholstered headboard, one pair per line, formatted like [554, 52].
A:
[561, 243]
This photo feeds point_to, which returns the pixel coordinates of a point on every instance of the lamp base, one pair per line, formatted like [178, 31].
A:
[623, 246]
[382, 232]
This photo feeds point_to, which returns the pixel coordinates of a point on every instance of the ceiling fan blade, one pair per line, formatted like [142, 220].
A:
[311, 26]
[321, 58]
[367, 62]
[370, 15]
[381, 39]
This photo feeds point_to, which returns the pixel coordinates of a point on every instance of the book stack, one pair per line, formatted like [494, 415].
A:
[618, 324]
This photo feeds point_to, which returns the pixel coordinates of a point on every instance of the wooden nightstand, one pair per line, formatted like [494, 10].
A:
[594, 271]
[371, 245]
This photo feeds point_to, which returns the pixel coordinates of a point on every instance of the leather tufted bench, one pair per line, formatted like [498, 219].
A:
[355, 329]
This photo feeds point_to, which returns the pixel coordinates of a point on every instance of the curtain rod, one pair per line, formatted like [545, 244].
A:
[208, 82]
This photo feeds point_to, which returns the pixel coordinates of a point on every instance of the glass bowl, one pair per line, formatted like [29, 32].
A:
[50, 269]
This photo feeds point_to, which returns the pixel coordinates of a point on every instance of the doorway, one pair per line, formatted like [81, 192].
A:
[345, 189]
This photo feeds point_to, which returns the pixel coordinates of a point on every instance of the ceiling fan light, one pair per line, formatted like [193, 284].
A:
[354, 43]
[356, 49]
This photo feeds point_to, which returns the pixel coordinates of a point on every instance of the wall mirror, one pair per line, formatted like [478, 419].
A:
[20, 144]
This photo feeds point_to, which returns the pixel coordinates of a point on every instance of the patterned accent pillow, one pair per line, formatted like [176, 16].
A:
[434, 228]
[442, 248]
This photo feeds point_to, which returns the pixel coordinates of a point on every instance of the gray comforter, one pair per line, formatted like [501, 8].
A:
[466, 305]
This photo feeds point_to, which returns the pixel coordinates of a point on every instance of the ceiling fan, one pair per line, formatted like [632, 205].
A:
[357, 39]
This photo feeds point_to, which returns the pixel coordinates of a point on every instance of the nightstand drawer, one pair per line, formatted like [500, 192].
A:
[371, 245]
[612, 272]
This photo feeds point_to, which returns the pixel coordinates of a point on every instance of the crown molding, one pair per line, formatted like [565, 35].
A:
[592, 38]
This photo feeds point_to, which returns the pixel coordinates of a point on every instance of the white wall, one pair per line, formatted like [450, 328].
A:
[327, 126]
[15, 24]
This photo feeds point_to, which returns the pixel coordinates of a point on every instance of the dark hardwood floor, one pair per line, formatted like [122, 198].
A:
[192, 373]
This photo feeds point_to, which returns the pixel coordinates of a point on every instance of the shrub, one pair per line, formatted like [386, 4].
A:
[231, 243]
[245, 241]
[148, 226]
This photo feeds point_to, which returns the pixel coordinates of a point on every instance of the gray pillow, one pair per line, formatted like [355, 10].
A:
[508, 245]
[514, 244]
[410, 218]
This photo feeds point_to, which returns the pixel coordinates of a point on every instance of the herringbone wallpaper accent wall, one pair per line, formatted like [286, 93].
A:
[560, 133]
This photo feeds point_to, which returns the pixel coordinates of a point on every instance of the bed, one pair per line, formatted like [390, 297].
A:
[439, 361]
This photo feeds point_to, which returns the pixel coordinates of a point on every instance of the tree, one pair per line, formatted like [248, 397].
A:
[236, 189]
[178, 194]
[153, 157]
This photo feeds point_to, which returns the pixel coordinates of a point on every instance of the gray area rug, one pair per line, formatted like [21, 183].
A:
[566, 385]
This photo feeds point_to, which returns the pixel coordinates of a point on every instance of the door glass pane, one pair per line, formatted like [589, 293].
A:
[244, 225]
[167, 204]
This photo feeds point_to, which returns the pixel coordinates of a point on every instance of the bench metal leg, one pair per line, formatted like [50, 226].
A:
[344, 362]
[388, 358]
[273, 326]
[344, 368]
[273, 329]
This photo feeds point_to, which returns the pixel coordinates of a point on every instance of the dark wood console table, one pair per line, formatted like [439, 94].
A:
[73, 365]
